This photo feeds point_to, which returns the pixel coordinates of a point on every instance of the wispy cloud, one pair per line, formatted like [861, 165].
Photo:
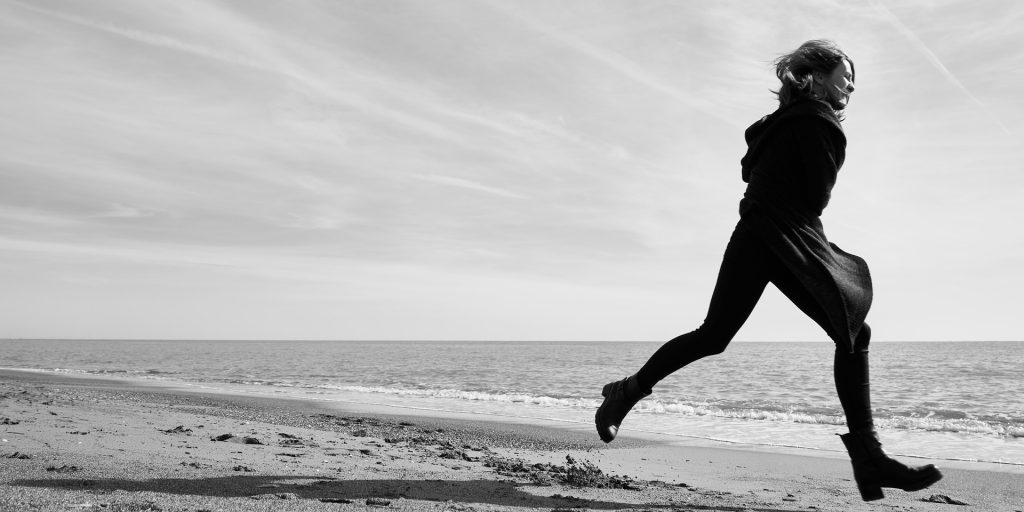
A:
[934, 60]
[469, 185]
[269, 62]
[34, 219]
[121, 211]
[614, 61]
[159, 40]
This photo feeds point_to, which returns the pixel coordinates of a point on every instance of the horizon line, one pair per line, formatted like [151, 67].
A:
[468, 340]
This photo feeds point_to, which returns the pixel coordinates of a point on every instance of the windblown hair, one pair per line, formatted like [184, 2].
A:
[795, 69]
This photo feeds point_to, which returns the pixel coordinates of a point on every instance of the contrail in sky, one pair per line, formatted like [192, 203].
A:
[615, 62]
[934, 59]
[148, 37]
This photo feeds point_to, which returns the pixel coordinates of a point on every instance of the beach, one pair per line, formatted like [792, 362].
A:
[88, 443]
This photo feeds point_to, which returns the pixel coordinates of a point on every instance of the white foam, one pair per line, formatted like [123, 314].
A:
[655, 407]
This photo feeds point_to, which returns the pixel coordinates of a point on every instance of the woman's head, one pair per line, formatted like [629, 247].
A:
[817, 69]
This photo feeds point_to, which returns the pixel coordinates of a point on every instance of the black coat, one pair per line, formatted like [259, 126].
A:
[792, 161]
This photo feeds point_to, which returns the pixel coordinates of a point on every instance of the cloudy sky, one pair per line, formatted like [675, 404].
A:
[473, 169]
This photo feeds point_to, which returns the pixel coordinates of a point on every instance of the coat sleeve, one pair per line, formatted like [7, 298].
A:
[820, 154]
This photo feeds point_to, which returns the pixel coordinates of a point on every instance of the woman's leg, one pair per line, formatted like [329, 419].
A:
[742, 279]
[872, 468]
[850, 370]
[853, 383]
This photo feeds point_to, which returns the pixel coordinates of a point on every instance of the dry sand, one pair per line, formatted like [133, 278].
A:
[77, 443]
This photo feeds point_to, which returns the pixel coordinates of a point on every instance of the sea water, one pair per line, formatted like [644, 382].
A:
[958, 401]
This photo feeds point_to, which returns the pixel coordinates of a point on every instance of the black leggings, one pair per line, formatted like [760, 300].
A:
[747, 268]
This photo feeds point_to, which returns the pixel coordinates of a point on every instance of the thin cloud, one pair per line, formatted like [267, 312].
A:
[12, 215]
[934, 60]
[280, 66]
[469, 185]
[150, 38]
[617, 63]
[121, 211]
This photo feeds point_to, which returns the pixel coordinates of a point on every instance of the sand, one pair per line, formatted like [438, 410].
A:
[80, 443]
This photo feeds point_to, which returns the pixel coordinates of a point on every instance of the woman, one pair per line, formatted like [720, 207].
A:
[792, 160]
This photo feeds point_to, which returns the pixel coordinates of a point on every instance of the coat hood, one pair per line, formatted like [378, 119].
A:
[760, 134]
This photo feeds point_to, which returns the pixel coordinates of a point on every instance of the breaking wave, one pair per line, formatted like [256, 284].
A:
[945, 421]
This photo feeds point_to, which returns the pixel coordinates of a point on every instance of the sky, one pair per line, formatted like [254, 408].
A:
[484, 170]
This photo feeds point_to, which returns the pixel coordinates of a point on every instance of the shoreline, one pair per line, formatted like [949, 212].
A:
[585, 430]
[63, 421]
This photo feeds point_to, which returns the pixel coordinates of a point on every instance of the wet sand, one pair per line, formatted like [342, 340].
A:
[80, 443]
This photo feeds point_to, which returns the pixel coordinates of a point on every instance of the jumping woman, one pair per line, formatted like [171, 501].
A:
[792, 160]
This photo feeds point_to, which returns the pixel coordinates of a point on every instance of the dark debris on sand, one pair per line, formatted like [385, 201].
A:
[231, 438]
[455, 444]
[335, 500]
[289, 440]
[147, 506]
[450, 437]
[180, 429]
[574, 473]
[942, 498]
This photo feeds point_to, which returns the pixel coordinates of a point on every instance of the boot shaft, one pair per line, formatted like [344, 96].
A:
[873, 469]
[863, 446]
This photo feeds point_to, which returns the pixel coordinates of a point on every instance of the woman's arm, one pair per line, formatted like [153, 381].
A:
[820, 151]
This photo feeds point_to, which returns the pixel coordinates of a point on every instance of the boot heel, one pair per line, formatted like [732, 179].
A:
[870, 493]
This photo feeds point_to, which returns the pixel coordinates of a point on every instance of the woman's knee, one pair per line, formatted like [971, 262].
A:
[713, 339]
[860, 344]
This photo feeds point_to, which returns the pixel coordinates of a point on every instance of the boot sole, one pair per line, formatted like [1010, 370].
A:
[933, 476]
[874, 492]
[605, 435]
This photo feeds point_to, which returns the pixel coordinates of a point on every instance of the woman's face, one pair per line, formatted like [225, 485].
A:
[837, 86]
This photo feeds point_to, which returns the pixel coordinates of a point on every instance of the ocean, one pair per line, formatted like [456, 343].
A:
[943, 400]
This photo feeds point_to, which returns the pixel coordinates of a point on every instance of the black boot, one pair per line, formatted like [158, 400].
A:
[873, 469]
[619, 398]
